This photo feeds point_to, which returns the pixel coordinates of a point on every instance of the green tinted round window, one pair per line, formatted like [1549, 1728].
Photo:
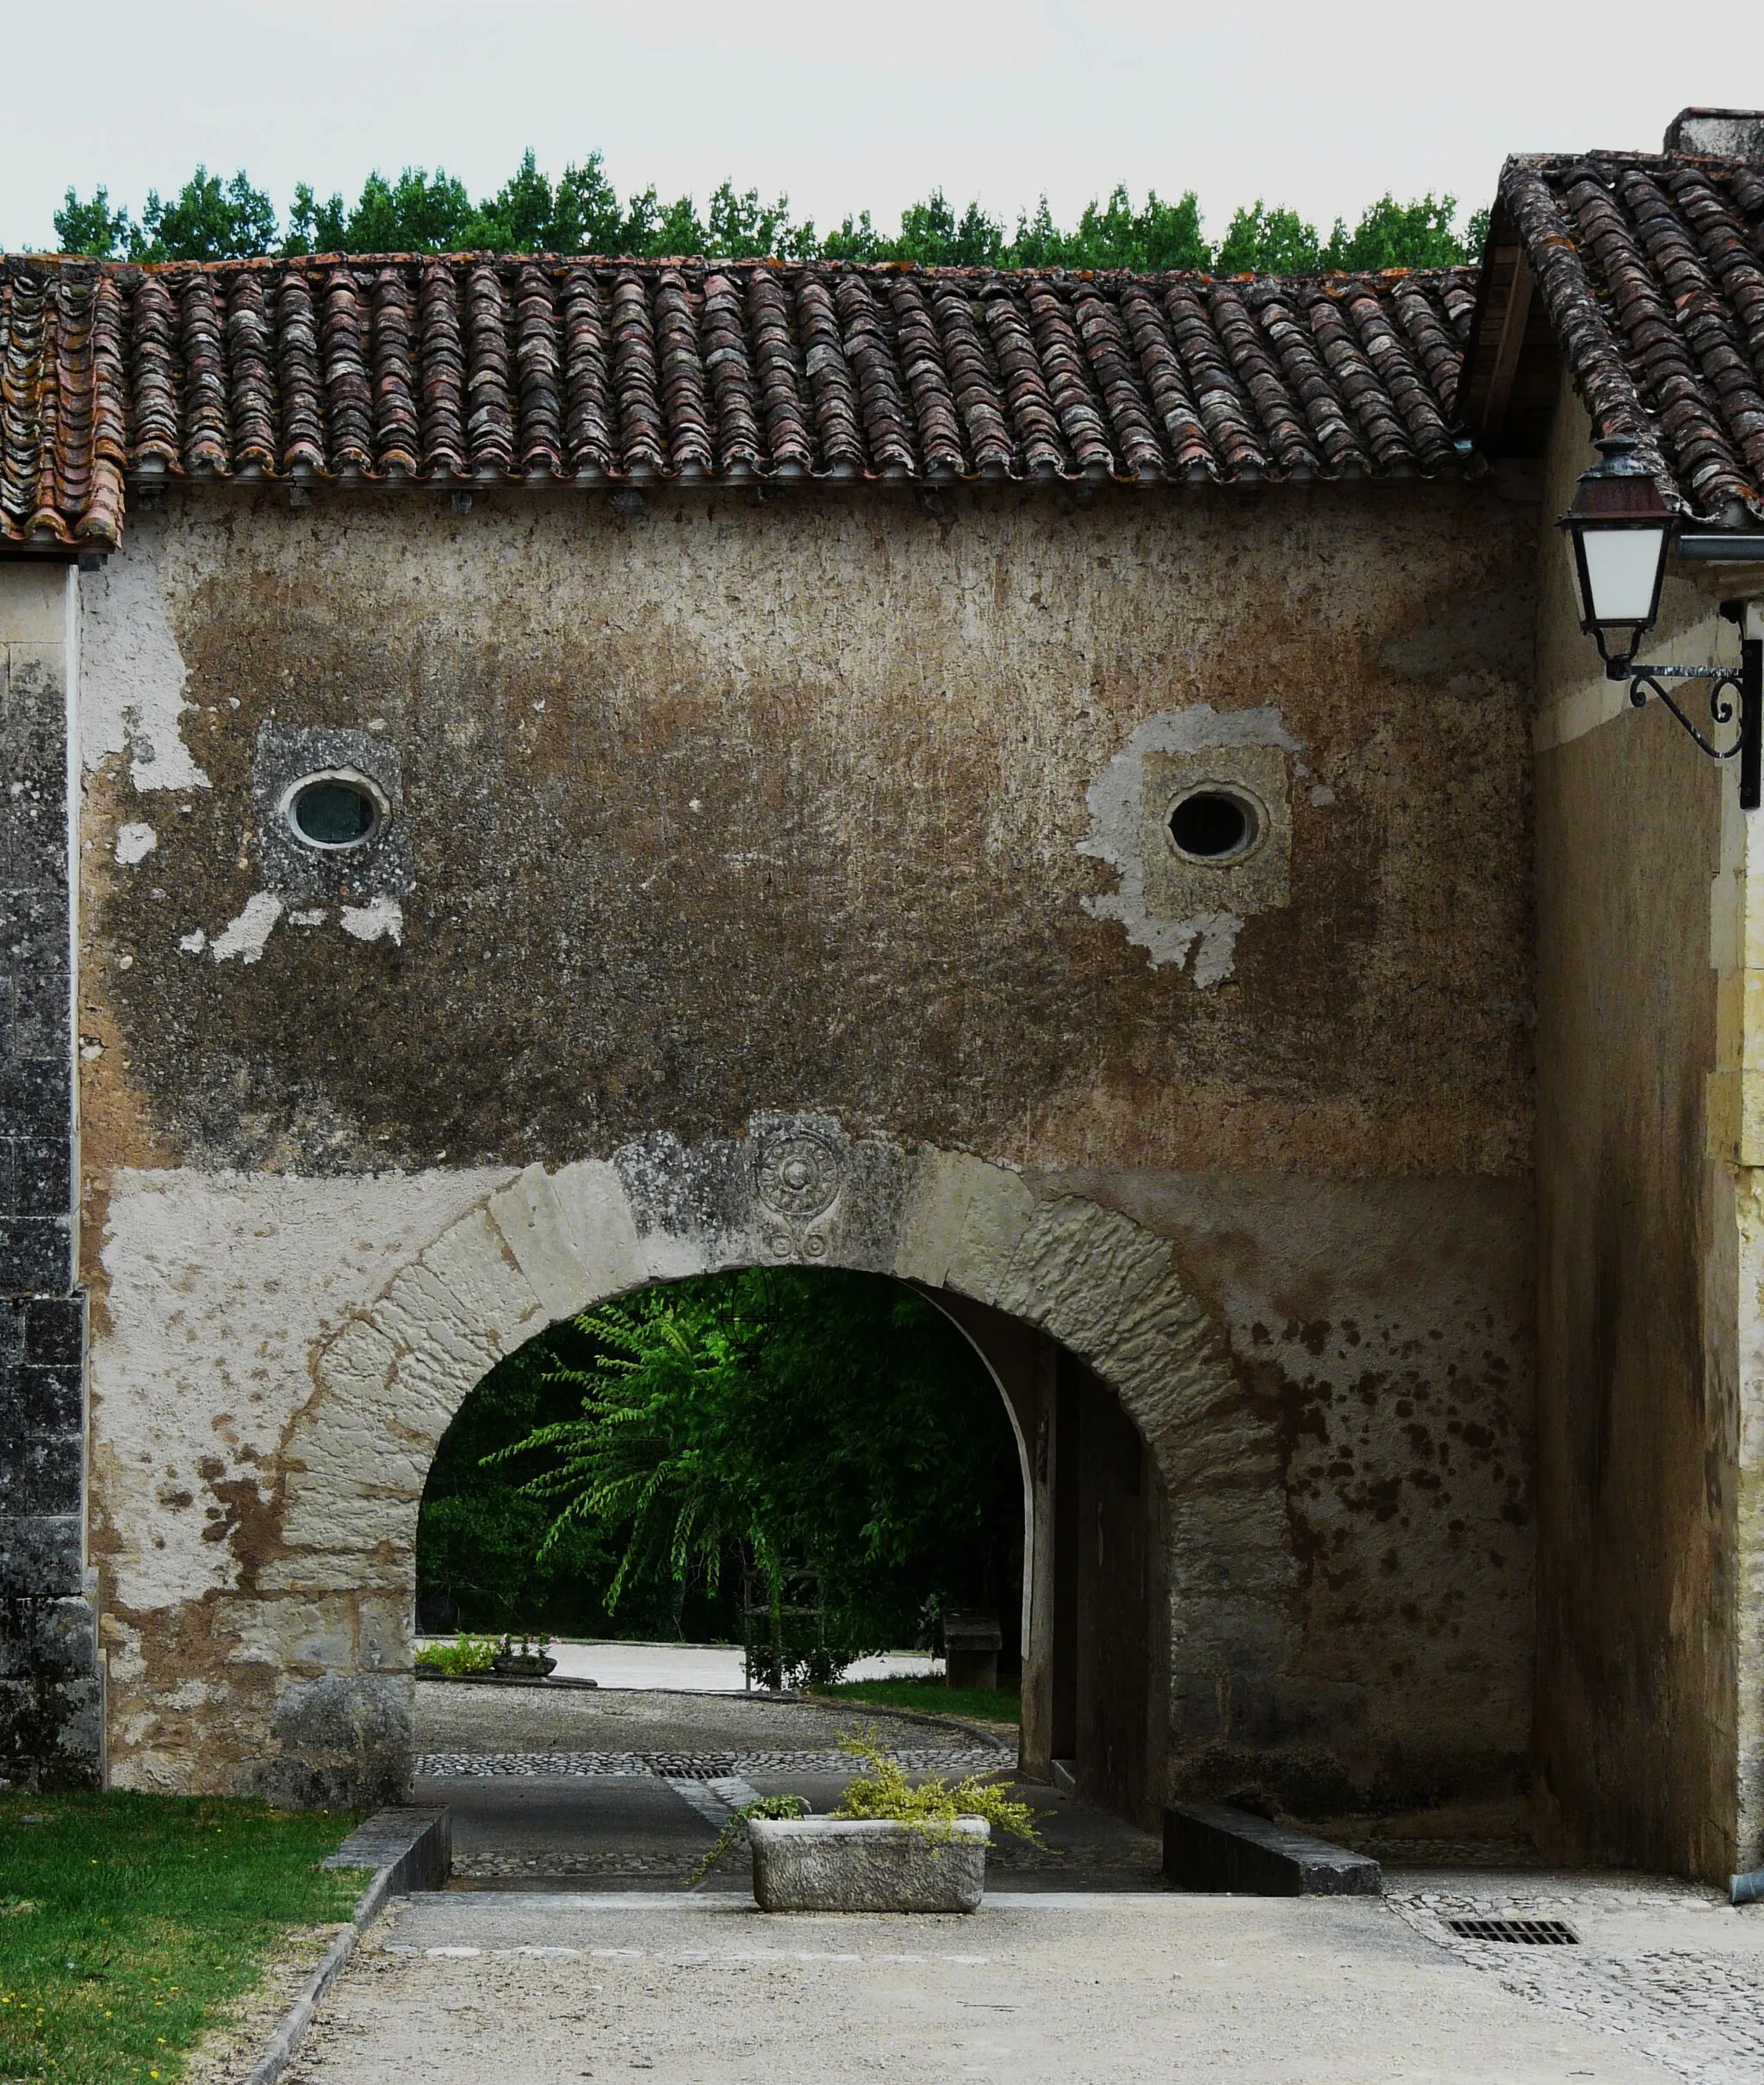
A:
[332, 812]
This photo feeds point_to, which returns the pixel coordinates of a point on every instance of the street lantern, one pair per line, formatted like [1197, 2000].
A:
[1619, 531]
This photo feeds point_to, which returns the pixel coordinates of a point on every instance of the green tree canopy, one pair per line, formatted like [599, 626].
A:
[792, 1419]
[783, 1418]
[209, 219]
[1266, 241]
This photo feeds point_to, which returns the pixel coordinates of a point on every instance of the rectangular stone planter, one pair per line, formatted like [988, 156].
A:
[860, 1864]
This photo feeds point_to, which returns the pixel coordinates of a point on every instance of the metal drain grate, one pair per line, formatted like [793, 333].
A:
[675, 1766]
[1526, 1932]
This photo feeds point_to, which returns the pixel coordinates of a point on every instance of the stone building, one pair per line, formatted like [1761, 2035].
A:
[531, 777]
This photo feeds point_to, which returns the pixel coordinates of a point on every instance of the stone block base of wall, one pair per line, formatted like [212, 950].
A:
[51, 1709]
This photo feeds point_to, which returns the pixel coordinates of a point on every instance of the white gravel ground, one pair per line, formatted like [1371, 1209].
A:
[704, 1668]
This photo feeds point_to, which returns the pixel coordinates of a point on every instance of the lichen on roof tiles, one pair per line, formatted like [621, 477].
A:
[533, 369]
[1650, 269]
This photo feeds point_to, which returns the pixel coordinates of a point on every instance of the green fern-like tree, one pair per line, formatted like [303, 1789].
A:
[788, 1420]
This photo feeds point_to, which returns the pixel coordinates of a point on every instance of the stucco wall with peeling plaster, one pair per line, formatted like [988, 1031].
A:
[1650, 1674]
[825, 805]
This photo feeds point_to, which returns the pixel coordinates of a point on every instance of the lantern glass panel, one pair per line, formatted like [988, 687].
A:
[1623, 573]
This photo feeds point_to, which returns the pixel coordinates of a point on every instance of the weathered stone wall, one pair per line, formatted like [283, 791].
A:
[739, 808]
[1384, 1330]
[1650, 1374]
[742, 801]
[49, 1717]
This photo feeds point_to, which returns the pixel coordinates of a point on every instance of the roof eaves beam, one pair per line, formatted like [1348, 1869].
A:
[1515, 319]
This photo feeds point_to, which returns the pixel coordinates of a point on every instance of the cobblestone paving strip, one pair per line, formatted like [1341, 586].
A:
[1693, 2000]
[948, 1760]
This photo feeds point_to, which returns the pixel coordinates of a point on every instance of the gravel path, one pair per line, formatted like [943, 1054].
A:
[632, 1787]
[1080, 1966]
[453, 1720]
[550, 1788]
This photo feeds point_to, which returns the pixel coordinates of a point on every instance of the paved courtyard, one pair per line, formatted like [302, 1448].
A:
[575, 1944]
[530, 1989]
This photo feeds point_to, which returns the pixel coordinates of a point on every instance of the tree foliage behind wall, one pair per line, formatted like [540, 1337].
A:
[805, 1417]
[420, 212]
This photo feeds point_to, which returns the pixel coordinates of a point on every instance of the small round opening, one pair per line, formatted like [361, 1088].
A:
[1214, 825]
[331, 812]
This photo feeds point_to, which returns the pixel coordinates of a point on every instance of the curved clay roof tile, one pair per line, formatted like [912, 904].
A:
[531, 366]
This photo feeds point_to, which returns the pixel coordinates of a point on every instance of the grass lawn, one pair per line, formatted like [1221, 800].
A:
[930, 1697]
[127, 1921]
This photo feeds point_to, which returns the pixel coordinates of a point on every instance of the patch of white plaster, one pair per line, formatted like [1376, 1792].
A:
[193, 944]
[314, 916]
[1322, 796]
[221, 1287]
[245, 935]
[135, 844]
[131, 673]
[1117, 826]
[380, 917]
[1218, 933]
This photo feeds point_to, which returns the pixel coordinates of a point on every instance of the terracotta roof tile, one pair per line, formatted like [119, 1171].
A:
[532, 368]
[1651, 269]
[588, 396]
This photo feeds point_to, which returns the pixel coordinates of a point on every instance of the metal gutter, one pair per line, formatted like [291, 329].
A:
[1725, 546]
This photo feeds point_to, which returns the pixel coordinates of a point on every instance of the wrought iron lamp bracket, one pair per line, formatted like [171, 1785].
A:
[1645, 681]
[1736, 698]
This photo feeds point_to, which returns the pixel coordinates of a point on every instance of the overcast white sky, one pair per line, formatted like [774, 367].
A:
[1321, 105]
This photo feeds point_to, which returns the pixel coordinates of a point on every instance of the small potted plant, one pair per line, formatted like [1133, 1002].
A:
[889, 1847]
[530, 1662]
[460, 1660]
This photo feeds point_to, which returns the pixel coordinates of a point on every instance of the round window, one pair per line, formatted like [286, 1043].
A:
[334, 810]
[1215, 824]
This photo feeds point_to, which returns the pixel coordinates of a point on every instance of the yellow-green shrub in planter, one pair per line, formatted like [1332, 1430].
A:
[889, 1847]
[868, 1863]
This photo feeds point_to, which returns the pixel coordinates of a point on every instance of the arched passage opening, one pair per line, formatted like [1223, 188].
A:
[690, 1461]
[1027, 1275]
[925, 1445]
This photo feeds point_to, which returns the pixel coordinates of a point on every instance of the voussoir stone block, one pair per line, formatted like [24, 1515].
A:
[426, 1320]
[1070, 1265]
[597, 1211]
[382, 1565]
[536, 1230]
[356, 1366]
[343, 1525]
[961, 1224]
[472, 1261]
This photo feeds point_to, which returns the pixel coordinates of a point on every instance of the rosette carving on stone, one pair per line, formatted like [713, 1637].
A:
[798, 1177]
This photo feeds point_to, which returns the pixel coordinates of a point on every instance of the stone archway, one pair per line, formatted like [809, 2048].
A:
[548, 1244]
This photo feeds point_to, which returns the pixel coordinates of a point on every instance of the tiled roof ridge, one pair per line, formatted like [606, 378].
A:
[1615, 156]
[1650, 267]
[128, 270]
[448, 370]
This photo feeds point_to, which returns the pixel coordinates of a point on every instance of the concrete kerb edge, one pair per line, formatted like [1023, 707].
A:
[430, 1848]
[1210, 1848]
